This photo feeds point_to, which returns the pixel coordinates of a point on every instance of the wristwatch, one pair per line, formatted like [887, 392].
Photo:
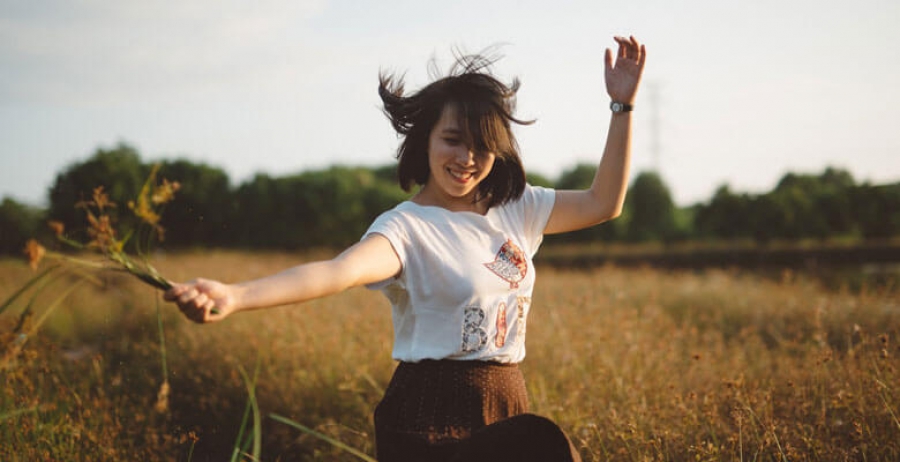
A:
[620, 107]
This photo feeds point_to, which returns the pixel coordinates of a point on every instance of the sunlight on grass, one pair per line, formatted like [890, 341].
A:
[634, 364]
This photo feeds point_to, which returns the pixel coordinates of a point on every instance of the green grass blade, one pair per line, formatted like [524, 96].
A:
[12, 298]
[254, 410]
[190, 456]
[29, 310]
[23, 338]
[17, 412]
[238, 446]
[53, 306]
[162, 341]
[323, 437]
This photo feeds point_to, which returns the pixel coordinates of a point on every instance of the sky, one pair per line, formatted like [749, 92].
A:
[734, 92]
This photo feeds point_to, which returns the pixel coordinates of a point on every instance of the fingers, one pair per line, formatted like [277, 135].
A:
[174, 292]
[193, 300]
[199, 311]
[623, 68]
[629, 48]
[640, 51]
[623, 47]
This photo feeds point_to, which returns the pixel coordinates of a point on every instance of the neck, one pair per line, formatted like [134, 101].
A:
[467, 203]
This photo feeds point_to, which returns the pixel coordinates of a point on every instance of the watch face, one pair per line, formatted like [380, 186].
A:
[619, 107]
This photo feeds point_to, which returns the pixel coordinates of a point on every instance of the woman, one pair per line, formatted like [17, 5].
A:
[455, 263]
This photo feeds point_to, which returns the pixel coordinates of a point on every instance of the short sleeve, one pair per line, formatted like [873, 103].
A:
[389, 225]
[537, 203]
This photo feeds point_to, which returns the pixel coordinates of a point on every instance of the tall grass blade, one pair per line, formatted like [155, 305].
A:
[881, 393]
[240, 440]
[322, 437]
[53, 306]
[23, 338]
[12, 298]
[190, 456]
[29, 307]
[17, 412]
[162, 341]
[256, 437]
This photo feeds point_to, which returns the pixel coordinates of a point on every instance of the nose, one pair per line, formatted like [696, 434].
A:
[465, 156]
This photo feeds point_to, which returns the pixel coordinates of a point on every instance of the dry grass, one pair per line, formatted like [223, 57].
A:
[635, 364]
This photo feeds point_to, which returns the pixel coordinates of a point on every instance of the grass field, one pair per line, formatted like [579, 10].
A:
[635, 364]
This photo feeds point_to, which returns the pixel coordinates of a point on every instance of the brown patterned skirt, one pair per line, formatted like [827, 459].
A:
[430, 406]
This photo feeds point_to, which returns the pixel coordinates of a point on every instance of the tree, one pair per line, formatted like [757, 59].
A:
[119, 171]
[834, 202]
[343, 201]
[769, 218]
[652, 212]
[817, 206]
[201, 212]
[581, 176]
[727, 215]
[875, 210]
[330, 207]
[386, 173]
[256, 204]
[18, 223]
[837, 178]
[536, 179]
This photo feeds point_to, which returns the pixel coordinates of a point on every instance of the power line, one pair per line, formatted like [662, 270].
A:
[655, 127]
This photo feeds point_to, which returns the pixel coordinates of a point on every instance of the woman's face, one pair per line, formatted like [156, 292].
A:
[454, 169]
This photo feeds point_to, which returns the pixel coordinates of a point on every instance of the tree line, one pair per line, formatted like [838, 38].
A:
[333, 207]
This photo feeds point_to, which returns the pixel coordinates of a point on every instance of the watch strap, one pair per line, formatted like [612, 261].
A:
[620, 107]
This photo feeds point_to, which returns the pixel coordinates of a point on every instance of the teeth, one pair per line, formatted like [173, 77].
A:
[461, 175]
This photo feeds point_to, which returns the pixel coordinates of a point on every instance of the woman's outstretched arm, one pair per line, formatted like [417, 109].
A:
[575, 210]
[371, 260]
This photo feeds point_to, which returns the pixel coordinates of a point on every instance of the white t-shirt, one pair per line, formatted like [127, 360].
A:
[465, 287]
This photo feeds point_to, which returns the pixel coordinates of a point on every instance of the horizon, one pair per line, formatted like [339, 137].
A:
[235, 183]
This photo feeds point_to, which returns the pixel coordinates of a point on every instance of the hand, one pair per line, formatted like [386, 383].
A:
[623, 76]
[203, 300]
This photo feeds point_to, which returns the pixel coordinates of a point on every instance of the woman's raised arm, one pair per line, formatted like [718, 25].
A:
[575, 210]
[371, 260]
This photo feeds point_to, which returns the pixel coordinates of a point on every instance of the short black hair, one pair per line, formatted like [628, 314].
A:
[484, 106]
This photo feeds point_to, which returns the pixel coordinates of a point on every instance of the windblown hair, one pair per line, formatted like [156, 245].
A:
[484, 106]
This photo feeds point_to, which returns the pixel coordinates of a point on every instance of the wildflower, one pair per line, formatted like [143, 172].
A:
[101, 199]
[102, 233]
[58, 227]
[103, 238]
[144, 211]
[162, 398]
[165, 192]
[151, 196]
[35, 253]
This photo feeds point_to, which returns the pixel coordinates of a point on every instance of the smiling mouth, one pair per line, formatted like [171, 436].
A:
[461, 176]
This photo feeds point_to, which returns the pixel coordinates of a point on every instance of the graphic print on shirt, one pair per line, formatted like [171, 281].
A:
[474, 337]
[500, 339]
[510, 264]
[522, 304]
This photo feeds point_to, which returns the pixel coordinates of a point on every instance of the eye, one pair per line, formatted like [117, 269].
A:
[452, 140]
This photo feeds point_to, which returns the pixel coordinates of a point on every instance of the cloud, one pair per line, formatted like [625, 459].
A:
[97, 53]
